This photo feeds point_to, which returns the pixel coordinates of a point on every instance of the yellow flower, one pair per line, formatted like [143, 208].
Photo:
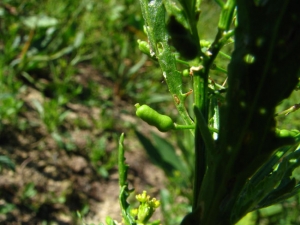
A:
[146, 208]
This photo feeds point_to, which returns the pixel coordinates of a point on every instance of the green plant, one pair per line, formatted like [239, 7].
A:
[161, 122]
[29, 191]
[242, 162]
[10, 102]
[176, 197]
[58, 57]
[142, 214]
[99, 158]
[6, 208]
[39, 50]
[6, 162]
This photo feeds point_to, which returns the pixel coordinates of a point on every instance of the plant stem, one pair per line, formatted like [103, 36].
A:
[202, 159]
[217, 68]
[182, 62]
[200, 93]
[186, 127]
[225, 55]
[226, 15]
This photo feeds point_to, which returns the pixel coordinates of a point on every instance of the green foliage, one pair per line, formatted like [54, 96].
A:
[70, 55]
[147, 207]
[10, 102]
[241, 162]
[178, 166]
[242, 147]
[161, 122]
[29, 191]
[98, 155]
[7, 163]
[51, 114]
[171, 208]
[154, 15]
[6, 208]
[118, 56]
[162, 153]
[259, 159]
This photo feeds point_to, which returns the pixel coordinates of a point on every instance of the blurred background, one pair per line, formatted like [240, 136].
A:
[70, 74]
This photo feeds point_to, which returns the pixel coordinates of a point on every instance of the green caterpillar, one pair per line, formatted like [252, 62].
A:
[162, 122]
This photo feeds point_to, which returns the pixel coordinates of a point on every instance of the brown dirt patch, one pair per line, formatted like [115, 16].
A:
[52, 182]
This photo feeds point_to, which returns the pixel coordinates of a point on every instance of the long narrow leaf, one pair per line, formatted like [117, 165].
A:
[155, 154]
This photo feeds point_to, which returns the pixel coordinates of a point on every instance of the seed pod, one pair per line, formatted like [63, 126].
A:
[283, 133]
[162, 122]
[287, 133]
[295, 133]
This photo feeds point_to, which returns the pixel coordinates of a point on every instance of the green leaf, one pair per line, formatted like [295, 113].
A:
[6, 162]
[124, 191]
[267, 34]
[6, 208]
[268, 167]
[168, 153]
[252, 97]
[190, 10]
[123, 167]
[281, 197]
[268, 185]
[29, 191]
[155, 154]
[175, 9]
[227, 15]
[279, 194]
[154, 16]
[205, 133]
[110, 221]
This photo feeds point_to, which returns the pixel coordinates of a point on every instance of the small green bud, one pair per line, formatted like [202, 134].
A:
[134, 212]
[144, 47]
[204, 43]
[185, 73]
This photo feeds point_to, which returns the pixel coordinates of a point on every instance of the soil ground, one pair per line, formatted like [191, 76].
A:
[51, 183]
